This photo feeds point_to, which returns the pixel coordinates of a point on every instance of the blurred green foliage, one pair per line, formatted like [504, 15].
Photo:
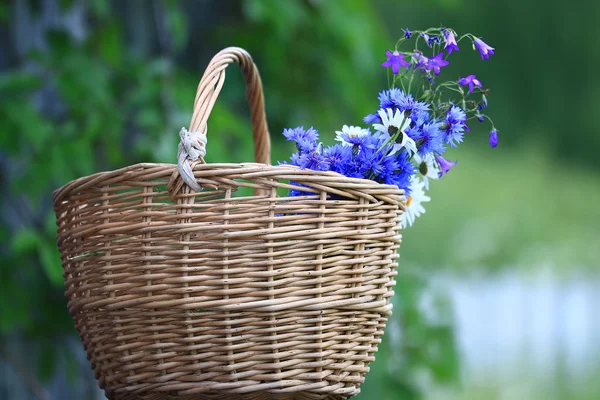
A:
[75, 101]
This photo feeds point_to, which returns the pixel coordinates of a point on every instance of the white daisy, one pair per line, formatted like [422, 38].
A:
[392, 123]
[414, 206]
[427, 168]
[349, 132]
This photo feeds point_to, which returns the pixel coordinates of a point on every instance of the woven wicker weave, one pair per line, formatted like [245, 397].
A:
[214, 295]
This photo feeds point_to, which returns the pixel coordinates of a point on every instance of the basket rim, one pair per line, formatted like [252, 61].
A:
[253, 169]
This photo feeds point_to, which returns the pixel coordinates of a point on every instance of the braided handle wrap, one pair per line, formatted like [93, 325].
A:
[192, 147]
[210, 87]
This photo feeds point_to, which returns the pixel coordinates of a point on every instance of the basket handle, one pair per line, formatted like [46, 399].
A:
[206, 95]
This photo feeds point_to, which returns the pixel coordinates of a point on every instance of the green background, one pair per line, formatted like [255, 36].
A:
[88, 86]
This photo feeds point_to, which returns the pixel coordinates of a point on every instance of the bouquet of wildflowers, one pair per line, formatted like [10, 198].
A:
[417, 120]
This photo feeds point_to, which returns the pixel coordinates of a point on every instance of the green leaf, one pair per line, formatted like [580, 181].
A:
[16, 302]
[46, 362]
[50, 226]
[100, 7]
[5, 11]
[60, 43]
[71, 367]
[17, 82]
[25, 241]
[65, 4]
[176, 22]
[51, 263]
[110, 44]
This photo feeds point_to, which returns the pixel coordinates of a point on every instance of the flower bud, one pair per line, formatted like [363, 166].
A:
[494, 138]
[484, 102]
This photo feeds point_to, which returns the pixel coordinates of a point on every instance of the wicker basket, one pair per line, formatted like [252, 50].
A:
[179, 294]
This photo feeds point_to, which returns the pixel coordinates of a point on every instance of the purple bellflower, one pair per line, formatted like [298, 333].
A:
[483, 48]
[435, 63]
[445, 165]
[450, 41]
[421, 61]
[394, 60]
[470, 80]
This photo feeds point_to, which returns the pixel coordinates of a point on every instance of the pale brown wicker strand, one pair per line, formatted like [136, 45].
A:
[210, 86]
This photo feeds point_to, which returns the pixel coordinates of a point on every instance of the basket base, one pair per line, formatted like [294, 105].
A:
[235, 396]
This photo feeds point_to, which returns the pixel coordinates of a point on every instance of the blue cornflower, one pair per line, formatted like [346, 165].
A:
[367, 160]
[374, 140]
[313, 160]
[430, 140]
[305, 145]
[338, 157]
[388, 98]
[435, 63]
[401, 99]
[294, 158]
[450, 41]
[454, 125]
[418, 115]
[353, 136]
[306, 139]
[384, 167]
[494, 138]
[413, 132]
[401, 176]
[395, 60]
[484, 49]
[352, 139]
[300, 133]
[353, 168]
[406, 102]
[372, 119]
